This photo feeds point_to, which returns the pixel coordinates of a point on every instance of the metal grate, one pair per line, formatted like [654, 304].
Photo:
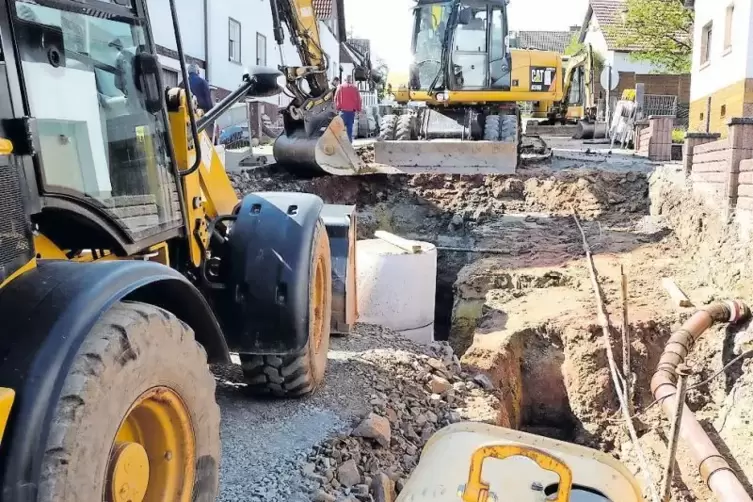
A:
[16, 246]
[655, 104]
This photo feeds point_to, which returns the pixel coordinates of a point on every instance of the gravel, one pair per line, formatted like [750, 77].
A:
[291, 450]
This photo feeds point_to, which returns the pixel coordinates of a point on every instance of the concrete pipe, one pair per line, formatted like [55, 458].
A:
[397, 287]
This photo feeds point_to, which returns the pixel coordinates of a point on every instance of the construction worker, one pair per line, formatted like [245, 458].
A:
[348, 103]
[200, 89]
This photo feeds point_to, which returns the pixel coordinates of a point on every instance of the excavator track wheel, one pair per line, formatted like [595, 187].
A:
[388, 127]
[137, 419]
[491, 128]
[299, 374]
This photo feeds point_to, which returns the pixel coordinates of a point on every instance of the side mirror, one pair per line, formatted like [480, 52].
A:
[265, 81]
[465, 16]
[146, 76]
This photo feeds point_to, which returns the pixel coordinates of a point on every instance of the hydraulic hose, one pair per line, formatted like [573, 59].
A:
[714, 468]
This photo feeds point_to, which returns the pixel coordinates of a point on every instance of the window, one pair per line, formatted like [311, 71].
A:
[706, 39]
[724, 111]
[728, 27]
[261, 50]
[234, 41]
[110, 147]
[169, 78]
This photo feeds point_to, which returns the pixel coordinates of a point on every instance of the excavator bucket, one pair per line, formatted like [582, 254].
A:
[325, 151]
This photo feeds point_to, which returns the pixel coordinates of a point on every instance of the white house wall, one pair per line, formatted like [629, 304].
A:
[619, 60]
[255, 16]
[623, 62]
[190, 19]
[722, 70]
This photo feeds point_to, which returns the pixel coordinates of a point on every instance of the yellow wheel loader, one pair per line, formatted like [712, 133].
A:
[127, 263]
[464, 87]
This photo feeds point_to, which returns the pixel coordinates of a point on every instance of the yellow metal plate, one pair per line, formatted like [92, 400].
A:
[7, 396]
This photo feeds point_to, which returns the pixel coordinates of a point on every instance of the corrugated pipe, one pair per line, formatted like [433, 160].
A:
[713, 467]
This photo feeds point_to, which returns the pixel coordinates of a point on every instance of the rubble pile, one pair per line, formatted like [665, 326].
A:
[416, 392]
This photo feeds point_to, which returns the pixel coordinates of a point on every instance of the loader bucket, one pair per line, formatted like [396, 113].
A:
[448, 156]
[326, 151]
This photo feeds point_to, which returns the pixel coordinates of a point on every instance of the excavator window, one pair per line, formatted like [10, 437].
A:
[470, 54]
[431, 27]
[101, 139]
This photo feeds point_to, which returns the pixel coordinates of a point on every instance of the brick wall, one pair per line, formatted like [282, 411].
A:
[670, 85]
[721, 171]
[710, 170]
[654, 140]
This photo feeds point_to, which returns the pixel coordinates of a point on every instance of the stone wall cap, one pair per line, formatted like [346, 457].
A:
[661, 117]
[741, 121]
[703, 135]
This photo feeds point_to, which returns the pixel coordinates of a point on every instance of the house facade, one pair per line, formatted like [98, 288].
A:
[602, 20]
[230, 36]
[722, 75]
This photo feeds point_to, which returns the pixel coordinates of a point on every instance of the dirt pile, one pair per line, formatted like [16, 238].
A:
[414, 391]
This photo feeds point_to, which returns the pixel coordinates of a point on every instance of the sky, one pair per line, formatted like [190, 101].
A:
[388, 23]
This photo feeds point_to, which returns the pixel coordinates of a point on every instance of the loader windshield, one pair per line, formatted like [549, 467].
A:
[430, 31]
[99, 142]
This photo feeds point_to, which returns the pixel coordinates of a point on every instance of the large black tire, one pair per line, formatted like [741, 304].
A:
[508, 130]
[491, 128]
[388, 127]
[300, 374]
[404, 131]
[134, 348]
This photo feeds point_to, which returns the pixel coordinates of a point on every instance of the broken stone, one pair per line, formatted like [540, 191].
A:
[322, 496]
[376, 428]
[484, 381]
[383, 488]
[439, 385]
[348, 475]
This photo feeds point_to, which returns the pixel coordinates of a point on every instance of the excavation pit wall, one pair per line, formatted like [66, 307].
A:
[513, 215]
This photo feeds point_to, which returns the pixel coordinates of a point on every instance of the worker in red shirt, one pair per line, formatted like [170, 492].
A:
[348, 103]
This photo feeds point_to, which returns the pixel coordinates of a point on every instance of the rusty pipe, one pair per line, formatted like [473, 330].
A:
[714, 468]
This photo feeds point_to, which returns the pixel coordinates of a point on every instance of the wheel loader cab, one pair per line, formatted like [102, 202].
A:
[128, 263]
[104, 165]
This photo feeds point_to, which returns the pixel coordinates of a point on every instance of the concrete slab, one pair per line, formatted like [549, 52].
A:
[448, 156]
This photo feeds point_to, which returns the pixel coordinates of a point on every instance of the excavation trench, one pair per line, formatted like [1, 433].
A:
[524, 316]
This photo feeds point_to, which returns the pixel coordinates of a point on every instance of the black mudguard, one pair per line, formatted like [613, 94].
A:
[264, 304]
[340, 222]
[46, 314]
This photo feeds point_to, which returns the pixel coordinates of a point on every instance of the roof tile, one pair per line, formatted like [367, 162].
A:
[556, 41]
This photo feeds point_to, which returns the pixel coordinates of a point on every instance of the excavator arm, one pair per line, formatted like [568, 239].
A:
[314, 140]
[584, 59]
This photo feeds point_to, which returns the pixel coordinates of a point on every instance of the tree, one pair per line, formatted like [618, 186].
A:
[661, 29]
[379, 72]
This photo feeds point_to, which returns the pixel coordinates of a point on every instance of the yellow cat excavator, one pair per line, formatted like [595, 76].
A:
[467, 82]
[127, 262]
